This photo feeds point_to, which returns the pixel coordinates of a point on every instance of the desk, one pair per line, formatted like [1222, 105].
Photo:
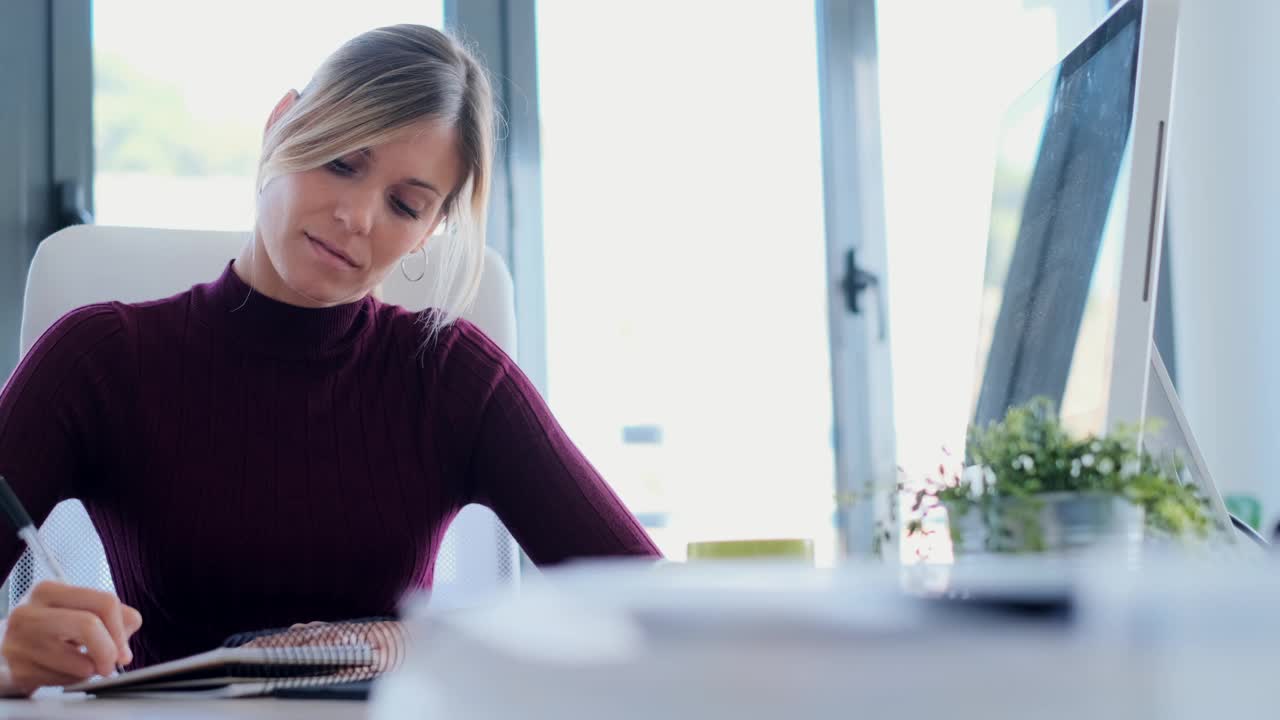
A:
[81, 706]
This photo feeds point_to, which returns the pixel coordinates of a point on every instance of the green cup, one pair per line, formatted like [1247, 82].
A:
[799, 549]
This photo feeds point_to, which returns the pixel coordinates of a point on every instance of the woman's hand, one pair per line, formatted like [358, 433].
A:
[64, 634]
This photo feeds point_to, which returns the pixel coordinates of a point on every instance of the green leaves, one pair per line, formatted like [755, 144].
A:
[1029, 454]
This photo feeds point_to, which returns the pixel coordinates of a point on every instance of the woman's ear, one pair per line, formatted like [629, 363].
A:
[281, 108]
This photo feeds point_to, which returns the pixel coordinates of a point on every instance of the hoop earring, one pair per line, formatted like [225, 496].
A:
[405, 272]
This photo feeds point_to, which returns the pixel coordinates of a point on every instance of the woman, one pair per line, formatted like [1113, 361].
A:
[277, 445]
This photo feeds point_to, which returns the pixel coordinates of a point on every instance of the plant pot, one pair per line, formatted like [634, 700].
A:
[1060, 522]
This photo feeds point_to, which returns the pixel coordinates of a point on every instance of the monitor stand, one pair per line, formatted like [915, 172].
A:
[1173, 436]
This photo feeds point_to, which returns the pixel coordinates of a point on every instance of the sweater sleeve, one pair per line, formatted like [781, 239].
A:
[54, 412]
[523, 466]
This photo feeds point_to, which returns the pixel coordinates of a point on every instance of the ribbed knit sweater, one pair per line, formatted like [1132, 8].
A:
[259, 465]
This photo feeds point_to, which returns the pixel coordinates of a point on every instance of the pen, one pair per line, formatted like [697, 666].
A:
[27, 531]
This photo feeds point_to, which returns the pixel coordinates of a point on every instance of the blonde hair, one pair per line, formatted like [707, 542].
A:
[376, 84]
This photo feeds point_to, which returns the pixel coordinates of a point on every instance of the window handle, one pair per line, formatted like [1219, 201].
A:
[855, 282]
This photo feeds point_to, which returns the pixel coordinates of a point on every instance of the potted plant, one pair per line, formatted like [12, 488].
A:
[1031, 487]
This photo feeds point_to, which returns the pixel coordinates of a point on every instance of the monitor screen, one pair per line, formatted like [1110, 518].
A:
[1056, 234]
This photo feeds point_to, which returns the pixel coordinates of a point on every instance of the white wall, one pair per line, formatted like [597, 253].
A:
[1225, 229]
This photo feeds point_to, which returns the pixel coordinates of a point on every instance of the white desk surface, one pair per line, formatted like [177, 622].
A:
[80, 706]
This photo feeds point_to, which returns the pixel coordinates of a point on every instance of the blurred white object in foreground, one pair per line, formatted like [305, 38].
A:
[1006, 639]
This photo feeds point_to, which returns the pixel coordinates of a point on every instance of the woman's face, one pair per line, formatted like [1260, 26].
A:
[333, 233]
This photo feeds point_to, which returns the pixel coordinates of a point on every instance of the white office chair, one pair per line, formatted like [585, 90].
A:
[86, 264]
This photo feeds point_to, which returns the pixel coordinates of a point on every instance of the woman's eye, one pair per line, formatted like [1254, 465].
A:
[340, 167]
[403, 209]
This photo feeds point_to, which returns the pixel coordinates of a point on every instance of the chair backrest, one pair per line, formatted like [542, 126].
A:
[85, 264]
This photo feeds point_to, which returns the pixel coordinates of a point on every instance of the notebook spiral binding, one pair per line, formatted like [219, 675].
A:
[323, 653]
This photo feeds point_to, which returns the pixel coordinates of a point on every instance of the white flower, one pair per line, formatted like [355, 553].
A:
[972, 476]
[981, 480]
[976, 478]
[1107, 466]
[1096, 446]
[1075, 468]
[1087, 460]
[1027, 462]
[1131, 468]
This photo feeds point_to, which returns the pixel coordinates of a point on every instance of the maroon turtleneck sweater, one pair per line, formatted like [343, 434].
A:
[255, 467]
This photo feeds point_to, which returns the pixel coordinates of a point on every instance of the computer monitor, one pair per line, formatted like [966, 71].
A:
[1074, 242]
[1068, 298]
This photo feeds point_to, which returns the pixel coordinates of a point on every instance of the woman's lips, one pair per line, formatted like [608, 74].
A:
[325, 247]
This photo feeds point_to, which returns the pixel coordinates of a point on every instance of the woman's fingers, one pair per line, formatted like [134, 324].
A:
[103, 605]
[51, 638]
[66, 633]
[132, 621]
[28, 673]
[81, 629]
[68, 659]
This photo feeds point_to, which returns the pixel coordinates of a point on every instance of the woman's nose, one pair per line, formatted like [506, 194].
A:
[355, 210]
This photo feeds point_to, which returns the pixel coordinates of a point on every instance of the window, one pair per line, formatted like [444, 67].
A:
[183, 91]
[687, 344]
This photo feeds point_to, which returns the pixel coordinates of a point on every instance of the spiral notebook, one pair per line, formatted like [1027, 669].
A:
[264, 662]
